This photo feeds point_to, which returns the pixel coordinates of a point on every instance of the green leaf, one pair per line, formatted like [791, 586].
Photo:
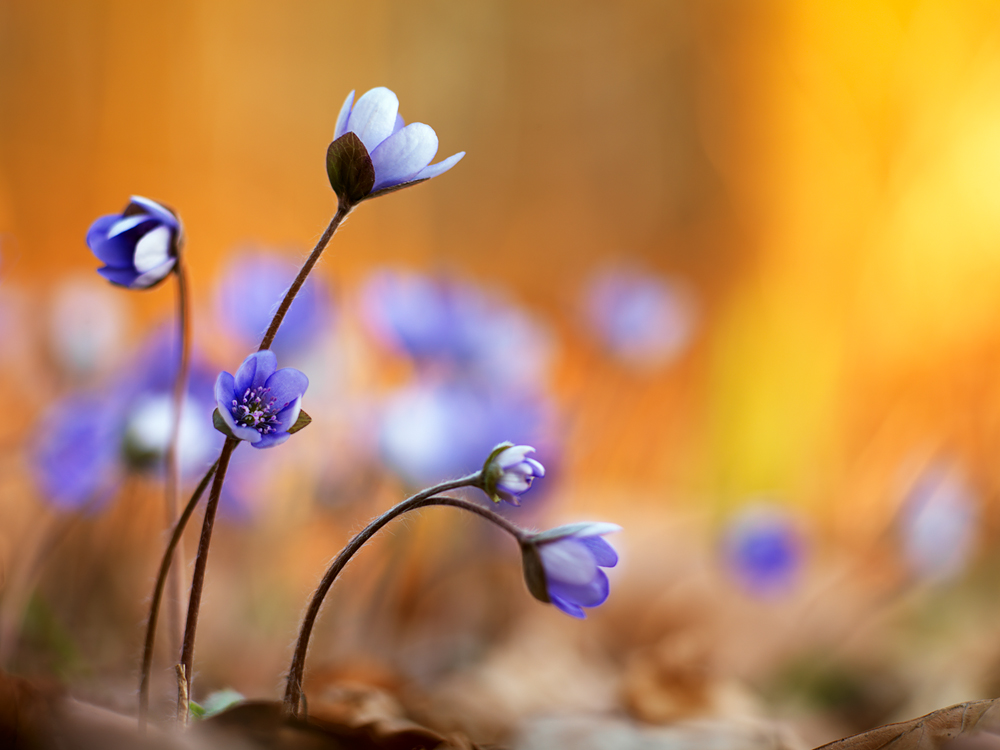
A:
[196, 711]
[303, 421]
[220, 700]
[350, 169]
[220, 424]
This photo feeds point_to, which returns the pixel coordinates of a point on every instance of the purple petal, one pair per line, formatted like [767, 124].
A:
[225, 390]
[272, 439]
[590, 594]
[374, 116]
[513, 455]
[595, 528]
[604, 554]
[570, 609]
[440, 168]
[118, 251]
[287, 416]
[240, 431]
[345, 112]
[153, 208]
[567, 561]
[287, 385]
[130, 222]
[120, 276]
[539, 470]
[402, 155]
[255, 371]
[155, 275]
[98, 231]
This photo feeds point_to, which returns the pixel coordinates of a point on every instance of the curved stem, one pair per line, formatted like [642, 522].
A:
[342, 211]
[154, 604]
[172, 483]
[201, 562]
[293, 684]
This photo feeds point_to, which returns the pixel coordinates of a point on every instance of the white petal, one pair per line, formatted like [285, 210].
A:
[127, 223]
[154, 275]
[152, 250]
[345, 112]
[402, 155]
[568, 561]
[374, 116]
[440, 168]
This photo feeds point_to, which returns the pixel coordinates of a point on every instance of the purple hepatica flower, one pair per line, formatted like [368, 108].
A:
[399, 153]
[139, 246]
[939, 523]
[508, 472]
[642, 319]
[251, 289]
[562, 566]
[763, 547]
[261, 402]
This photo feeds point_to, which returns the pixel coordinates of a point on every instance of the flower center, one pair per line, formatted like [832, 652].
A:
[256, 410]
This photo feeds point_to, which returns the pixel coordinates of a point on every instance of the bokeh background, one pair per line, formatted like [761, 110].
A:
[731, 267]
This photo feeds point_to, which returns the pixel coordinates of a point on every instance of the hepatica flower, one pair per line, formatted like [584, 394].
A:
[139, 246]
[508, 472]
[260, 404]
[375, 151]
[562, 566]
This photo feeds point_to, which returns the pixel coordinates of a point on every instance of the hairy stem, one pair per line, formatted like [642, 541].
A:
[200, 564]
[154, 604]
[293, 684]
[175, 580]
[343, 209]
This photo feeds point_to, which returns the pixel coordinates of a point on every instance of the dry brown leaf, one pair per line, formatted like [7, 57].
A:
[935, 731]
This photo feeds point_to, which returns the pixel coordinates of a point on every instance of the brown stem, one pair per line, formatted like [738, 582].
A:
[293, 684]
[201, 562]
[172, 484]
[343, 209]
[154, 604]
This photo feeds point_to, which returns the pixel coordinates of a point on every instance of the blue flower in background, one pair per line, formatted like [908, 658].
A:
[642, 319]
[250, 290]
[939, 523]
[139, 246]
[261, 402]
[458, 327]
[400, 153]
[508, 472]
[764, 550]
[563, 565]
[435, 430]
[76, 460]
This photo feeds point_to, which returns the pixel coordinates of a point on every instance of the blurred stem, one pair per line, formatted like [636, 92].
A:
[172, 483]
[201, 562]
[293, 684]
[154, 604]
[343, 209]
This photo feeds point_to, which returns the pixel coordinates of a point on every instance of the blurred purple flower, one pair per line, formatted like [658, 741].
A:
[459, 326]
[76, 460]
[642, 319]
[563, 565]
[261, 402]
[251, 288]
[508, 472]
[434, 430]
[139, 246]
[400, 153]
[763, 549]
[939, 523]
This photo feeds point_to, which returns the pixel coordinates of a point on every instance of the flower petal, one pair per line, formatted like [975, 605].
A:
[402, 155]
[595, 528]
[130, 222]
[225, 389]
[287, 385]
[287, 416]
[513, 455]
[98, 231]
[118, 251]
[567, 561]
[604, 554]
[271, 440]
[120, 276]
[569, 608]
[153, 249]
[345, 112]
[374, 116]
[590, 594]
[440, 168]
[156, 210]
[240, 431]
[246, 374]
[400, 123]
[154, 275]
